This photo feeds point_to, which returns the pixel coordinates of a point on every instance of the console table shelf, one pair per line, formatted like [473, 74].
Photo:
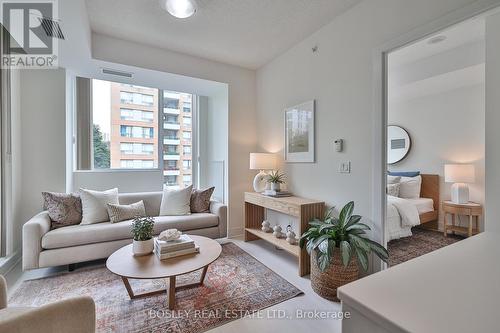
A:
[303, 209]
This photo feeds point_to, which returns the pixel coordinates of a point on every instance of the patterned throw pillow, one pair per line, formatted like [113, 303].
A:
[200, 200]
[393, 189]
[118, 213]
[64, 209]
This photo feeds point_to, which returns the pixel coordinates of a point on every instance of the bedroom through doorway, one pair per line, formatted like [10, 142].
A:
[435, 141]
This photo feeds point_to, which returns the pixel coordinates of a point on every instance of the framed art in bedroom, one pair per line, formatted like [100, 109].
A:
[299, 133]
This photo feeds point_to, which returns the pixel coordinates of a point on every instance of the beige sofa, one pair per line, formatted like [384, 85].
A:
[76, 315]
[43, 247]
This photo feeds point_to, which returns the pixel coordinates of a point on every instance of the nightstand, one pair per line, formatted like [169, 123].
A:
[471, 209]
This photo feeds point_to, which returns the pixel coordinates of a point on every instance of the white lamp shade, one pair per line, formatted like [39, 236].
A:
[262, 161]
[459, 173]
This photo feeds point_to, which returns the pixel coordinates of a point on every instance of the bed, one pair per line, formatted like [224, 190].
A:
[403, 214]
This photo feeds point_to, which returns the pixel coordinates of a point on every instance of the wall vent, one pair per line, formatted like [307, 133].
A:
[51, 27]
[117, 73]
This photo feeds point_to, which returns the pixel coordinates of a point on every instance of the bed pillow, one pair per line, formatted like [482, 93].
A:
[176, 202]
[410, 187]
[64, 208]
[393, 189]
[405, 173]
[95, 205]
[118, 213]
[393, 179]
[200, 200]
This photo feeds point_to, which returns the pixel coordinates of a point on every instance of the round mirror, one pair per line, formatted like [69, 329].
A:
[398, 144]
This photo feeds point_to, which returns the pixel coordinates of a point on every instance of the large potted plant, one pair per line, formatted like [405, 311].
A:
[338, 247]
[142, 231]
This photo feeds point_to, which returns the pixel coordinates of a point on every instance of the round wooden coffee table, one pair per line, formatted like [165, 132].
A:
[123, 263]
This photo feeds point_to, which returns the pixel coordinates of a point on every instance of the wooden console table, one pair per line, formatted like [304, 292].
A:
[304, 209]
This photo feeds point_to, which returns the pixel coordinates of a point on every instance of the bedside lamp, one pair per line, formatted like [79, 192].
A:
[263, 162]
[459, 175]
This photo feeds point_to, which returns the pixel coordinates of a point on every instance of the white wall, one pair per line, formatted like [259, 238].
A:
[444, 128]
[492, 222]
[13, 170]
[339, 77]
[43, 132]
[241, 114]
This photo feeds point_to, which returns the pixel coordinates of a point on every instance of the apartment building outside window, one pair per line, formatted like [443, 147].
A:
[137, 127]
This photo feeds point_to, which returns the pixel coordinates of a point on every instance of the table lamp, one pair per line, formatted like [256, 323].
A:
[459, 175]
[263, 162]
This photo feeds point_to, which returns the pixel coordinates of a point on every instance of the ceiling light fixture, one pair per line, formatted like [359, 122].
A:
[179, 8]
[437, 39]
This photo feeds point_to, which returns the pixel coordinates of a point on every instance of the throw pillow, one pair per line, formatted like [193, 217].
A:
[94, 205]
[410, 187]
[393, 179]
[200, 200]
[393, 189]
[118, 213]
[64, 209]
[176, 202]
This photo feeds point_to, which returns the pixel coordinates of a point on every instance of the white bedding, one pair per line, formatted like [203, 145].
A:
[403, 214]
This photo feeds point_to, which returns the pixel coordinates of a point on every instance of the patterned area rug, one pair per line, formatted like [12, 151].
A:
[236, 285]
[423, 241]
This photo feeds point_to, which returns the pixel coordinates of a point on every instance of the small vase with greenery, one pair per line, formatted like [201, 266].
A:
[276, 178]
[334, 245]
[142, 231]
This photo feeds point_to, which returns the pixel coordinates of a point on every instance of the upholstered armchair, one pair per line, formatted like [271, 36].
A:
[76, 315]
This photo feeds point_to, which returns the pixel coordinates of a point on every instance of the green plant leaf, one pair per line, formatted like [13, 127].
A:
[345, 252]
[323, 261]
[345, 213]
[319, 240]
[353, 220]
[360, 242]
[362, 258]
[327, 226]
[379, 250]
[329, 212]
[316, 223]
[361, 226]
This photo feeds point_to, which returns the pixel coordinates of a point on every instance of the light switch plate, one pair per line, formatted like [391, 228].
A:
[345, 167]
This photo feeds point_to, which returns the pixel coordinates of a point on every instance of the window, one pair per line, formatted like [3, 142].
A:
[137, 164]
[136, 132]
[171, 119]
[171, 165]
[146, 143]
[137, 115]
[171, 103]
[127, 97]
[170, 150]
[137, 148]
[171, 180]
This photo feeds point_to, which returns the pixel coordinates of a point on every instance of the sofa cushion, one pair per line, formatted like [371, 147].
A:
[107, 231]
[64, 208]
[118, 213]
[94, 205]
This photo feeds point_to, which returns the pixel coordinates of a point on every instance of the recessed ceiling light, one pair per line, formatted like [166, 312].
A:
[437, 39]
[179, 8]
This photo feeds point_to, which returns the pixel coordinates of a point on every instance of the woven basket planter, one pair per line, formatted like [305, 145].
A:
[326, 283]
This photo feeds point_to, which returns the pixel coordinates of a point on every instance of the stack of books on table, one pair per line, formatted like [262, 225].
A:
[276, 194]
[175, 248]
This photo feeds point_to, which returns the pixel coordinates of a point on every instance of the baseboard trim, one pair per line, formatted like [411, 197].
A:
[8, 263]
